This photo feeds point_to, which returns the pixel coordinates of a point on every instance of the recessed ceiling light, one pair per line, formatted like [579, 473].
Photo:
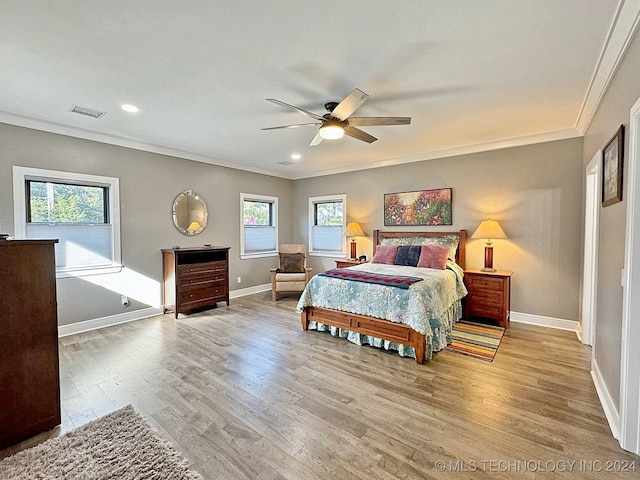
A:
[295, 156]
[129, 108]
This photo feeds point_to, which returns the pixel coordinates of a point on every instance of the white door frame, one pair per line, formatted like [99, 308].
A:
[630, 352]
[590, 267]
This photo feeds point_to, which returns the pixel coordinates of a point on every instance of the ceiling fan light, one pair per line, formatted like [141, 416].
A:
[331, 132]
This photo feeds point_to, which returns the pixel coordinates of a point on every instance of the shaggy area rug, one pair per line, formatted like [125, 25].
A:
[121, 445]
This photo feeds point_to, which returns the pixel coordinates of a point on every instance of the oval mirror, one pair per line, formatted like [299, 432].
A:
[189, 213]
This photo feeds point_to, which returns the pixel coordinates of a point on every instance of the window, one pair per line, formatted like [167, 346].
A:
[81, 211]
[259, 232]
[326, 224]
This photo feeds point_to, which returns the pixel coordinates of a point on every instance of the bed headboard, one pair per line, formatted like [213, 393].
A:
[380, 235]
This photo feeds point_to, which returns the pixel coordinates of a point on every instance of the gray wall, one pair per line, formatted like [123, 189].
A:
[148, 184]
[613, 112]
[533, 191]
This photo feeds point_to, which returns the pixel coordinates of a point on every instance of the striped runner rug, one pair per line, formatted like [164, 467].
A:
[475, 340]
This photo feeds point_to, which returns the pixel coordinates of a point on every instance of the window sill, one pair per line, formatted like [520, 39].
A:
[249, 256]
[88, 271]
[328, 254]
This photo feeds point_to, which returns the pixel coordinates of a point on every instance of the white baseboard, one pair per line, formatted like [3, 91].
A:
[251, 290]
[103, 322]
[543, 321]
[96, 323]
[608, 405]
[579, 332]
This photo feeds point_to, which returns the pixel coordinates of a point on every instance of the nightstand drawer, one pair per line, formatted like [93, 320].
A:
[487, 309]
[487, 295]
[485, 282]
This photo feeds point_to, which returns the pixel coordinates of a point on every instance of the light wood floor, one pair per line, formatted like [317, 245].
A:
[244, 393]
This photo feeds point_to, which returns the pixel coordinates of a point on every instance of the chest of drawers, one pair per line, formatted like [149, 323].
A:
[194, 278]
[29, 366]
[489, 295]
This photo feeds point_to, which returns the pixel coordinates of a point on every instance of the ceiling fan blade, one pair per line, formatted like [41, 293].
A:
[359, 134]
[316, 140]
[350, 104]
[297, 109]
[373, 121]
[291, 126]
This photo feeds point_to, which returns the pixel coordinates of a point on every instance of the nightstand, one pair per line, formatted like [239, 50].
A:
[347, 262]
[489, 295]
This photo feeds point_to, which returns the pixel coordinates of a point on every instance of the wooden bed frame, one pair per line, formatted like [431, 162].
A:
[376, 327]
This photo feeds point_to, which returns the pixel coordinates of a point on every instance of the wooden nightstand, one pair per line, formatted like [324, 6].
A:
[347, 262]
[489, 295]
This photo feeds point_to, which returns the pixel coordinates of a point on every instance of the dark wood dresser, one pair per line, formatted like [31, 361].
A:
[29, 369]
[489, 295]
[194, 278]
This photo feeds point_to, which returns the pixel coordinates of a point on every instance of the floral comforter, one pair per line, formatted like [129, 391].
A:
[431, 306]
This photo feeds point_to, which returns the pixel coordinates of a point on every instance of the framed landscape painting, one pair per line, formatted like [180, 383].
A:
[424, 207]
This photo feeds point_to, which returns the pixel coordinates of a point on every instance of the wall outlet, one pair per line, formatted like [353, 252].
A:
[125, 301]
[239, 279]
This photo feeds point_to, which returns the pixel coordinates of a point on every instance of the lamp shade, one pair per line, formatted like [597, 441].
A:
[489, 229]
[193, 226]
[353, 230]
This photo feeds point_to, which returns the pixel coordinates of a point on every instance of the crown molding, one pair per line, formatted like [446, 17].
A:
[621, 33]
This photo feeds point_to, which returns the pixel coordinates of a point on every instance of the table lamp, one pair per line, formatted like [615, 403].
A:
[353, 230]
[193, 227]
[490, 230]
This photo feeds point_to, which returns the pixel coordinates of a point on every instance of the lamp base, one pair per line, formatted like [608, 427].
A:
[488, 259]
[353, 250]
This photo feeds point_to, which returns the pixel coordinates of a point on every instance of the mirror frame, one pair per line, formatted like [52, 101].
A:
[189, 195]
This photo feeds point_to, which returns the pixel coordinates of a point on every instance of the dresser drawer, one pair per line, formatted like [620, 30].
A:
[201, 279]
[201, 268]
[202, 292]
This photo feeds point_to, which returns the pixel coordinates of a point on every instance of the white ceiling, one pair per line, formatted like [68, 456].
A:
[473, 75]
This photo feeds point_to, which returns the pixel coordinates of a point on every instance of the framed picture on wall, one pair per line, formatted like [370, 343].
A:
[612, 156]
[424, 207]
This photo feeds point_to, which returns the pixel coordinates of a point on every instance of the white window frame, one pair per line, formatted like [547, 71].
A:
[258, 198]
[20, 177]
[324, 199]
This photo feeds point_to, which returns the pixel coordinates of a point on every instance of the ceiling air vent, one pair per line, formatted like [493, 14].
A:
[285, 162]
[88, 112]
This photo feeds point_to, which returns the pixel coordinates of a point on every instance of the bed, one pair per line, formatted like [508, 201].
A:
[416, 321]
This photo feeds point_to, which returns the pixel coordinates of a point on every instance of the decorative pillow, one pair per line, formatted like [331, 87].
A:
[408, 255]
[291, 263]
[385, 254]
[450, 241]
[433, 256]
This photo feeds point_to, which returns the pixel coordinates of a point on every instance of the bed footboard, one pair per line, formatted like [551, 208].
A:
[394, 332]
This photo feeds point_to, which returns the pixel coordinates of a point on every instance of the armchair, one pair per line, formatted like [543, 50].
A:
[292, 274]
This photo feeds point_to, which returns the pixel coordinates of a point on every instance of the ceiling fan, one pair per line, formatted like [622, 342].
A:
[338, 122]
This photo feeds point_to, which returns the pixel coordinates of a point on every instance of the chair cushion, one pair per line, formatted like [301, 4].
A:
[291, 277]
[291, 263]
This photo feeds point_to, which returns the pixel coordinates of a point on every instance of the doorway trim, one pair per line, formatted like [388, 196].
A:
[590, 266]
[630, 351]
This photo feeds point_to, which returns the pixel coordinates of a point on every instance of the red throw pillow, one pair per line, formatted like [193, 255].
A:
[385, 254]
[433, 256]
